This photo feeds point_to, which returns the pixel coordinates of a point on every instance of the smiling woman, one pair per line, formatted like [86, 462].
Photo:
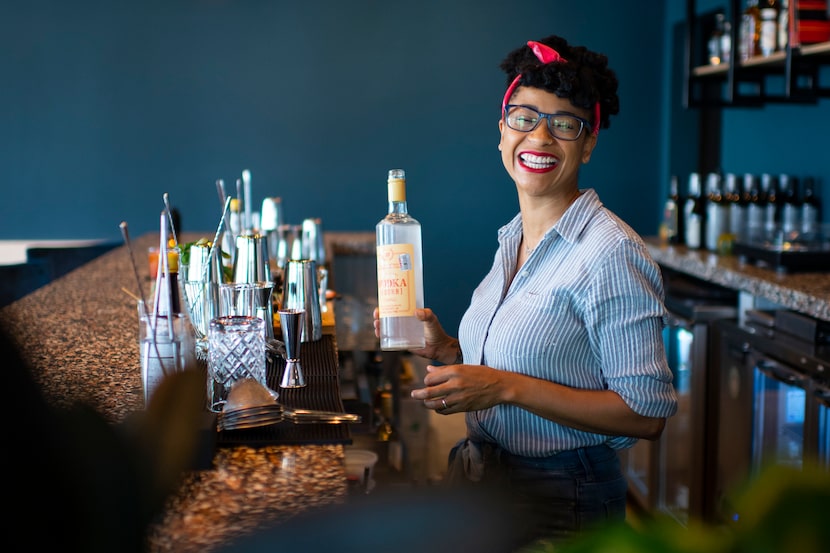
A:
[559, 361]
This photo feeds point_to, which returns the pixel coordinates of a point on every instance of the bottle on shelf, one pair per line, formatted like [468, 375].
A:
[400, 271]
[694, 213]
[810, 209]
[768, 36]
[756, 208]
[672, 230]
[750, 31]
[736, 196]
[770, 187]
[717, 212]
[790, 206]
[715, 42]
[726, 42]
[783, 25]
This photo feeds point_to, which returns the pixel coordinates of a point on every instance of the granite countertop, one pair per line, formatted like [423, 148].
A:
[80, 336]
[805, 292]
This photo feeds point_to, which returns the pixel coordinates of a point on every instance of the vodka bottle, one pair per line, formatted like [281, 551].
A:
[400, 271]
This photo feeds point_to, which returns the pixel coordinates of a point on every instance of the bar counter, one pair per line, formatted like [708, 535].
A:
[804, 292]
[80, 336]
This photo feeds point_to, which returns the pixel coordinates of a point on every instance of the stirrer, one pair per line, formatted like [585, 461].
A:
[125, 233]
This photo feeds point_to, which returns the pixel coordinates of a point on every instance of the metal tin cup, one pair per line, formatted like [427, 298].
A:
[236, 350]
[251, 299]
[250, 263]
[271, 217]
[300, 291]
[312, 241]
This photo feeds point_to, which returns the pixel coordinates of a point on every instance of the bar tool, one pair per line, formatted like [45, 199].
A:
[300, 291]
[291, 321]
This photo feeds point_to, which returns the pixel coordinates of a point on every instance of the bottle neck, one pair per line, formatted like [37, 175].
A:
[397, 207]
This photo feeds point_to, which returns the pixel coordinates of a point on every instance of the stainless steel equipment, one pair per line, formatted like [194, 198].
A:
[668, 475]
[788, 252]
[772, 404]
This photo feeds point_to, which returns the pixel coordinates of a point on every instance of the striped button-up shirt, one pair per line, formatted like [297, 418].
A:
[585, 310]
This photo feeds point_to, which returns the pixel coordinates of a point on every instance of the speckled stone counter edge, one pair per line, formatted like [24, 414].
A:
[807, 293]
[80, 336]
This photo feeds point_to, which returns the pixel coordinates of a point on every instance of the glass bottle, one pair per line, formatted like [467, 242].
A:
[768, 37]
[694, 213]
[715, 43]
[672, 220]
[717, 212]
[726, 43]
[790, 207]
[736, 197]
[783, 25]
[772, 213]
[400, 271]
[810, 208]
[750, 30]
[756, 208]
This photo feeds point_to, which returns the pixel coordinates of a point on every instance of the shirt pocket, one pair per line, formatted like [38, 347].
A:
[530, 325]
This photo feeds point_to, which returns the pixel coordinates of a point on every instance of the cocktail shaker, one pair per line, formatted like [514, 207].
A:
[300, 292]
[250, 263]
[271, 217]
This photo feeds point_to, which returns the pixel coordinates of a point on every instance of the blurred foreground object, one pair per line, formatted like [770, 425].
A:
[84, 484]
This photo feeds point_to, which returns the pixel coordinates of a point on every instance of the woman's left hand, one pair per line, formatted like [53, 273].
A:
[457, 388]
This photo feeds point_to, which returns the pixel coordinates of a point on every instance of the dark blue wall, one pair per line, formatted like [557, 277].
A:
[108, 105]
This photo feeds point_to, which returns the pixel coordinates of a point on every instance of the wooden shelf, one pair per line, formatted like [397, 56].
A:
[791, 76]
[775, 60]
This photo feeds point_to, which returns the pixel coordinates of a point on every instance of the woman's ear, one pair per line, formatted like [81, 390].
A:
[588, 147]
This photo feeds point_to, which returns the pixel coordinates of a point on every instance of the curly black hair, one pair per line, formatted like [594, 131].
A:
[584, 78]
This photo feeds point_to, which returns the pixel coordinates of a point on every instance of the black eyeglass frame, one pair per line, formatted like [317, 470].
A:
[583, 123]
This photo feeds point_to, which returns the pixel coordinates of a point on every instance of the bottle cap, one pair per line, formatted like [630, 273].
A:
[397, 185]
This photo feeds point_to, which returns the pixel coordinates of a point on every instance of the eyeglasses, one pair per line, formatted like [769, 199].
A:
[561, 125]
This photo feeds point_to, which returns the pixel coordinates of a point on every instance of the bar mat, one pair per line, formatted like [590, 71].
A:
[322, 391]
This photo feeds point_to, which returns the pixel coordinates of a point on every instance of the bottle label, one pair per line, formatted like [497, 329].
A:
[396, 280]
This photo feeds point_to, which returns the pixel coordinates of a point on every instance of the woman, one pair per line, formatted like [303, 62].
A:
[559, 361]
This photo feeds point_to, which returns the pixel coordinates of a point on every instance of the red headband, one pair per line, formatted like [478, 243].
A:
[545, 54]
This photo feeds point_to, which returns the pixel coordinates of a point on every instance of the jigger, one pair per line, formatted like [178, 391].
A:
[291, 321]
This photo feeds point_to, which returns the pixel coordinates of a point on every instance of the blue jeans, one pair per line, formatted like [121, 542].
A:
[560, 496]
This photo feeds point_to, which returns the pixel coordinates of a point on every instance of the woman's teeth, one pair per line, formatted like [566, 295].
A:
[538, 162]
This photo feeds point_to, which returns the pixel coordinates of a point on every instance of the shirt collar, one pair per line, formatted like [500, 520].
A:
[569, 226]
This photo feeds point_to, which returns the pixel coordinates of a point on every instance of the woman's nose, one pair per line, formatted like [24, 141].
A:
[542, 133]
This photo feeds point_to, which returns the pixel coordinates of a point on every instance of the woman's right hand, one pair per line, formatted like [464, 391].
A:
[439, 346]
